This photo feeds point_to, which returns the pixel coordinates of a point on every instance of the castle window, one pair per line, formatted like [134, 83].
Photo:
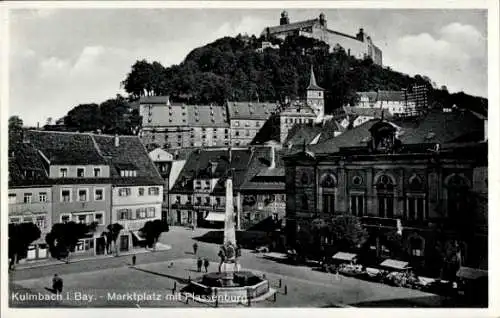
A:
[385, 196]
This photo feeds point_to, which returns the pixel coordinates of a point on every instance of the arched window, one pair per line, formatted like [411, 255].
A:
[328, 181]
[415, 199]
[457, 196]
[416, 183]
[357, 180]
[328, 184]
[385, 196]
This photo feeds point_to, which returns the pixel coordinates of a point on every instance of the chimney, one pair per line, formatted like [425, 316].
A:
[117, 140]
[273, 158]
[213, 167]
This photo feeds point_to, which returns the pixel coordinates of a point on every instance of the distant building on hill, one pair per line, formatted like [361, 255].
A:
[359, 46]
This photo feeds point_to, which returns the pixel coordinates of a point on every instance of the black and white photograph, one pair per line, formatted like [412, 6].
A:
[249, 156]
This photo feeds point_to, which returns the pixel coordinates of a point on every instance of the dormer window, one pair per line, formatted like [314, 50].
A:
[63, 172]
[128, 173]
[97, 172]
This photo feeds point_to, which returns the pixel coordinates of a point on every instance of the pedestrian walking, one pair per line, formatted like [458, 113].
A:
[200, 264]
[57, 284]
[195, 248]
[206, 263]
[134, 258]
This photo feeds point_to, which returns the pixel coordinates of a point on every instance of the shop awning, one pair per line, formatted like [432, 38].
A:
[392, 263]
[138, 235]
[215, 217]
[344, 256]
[471, 273]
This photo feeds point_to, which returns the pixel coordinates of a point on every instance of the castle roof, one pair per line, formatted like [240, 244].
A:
[250, 110]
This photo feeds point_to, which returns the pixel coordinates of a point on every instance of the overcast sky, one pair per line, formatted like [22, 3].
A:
[65, 57]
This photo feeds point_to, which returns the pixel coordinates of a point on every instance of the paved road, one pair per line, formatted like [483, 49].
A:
[307, 287]
[181, 240]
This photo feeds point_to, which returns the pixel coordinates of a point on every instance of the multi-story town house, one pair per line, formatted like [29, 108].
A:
[263, 191]
[246, 119]
[137, 186]
[85, 178]
[169, 125]
[401, 103]
[198, 195]
[426, 180]
[30, 194]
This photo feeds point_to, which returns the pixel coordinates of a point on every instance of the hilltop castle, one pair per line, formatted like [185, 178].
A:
[359, 46]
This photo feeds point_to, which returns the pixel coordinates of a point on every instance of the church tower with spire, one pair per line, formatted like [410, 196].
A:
[315, 96]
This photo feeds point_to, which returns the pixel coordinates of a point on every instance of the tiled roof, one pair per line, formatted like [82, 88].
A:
[291, 26]
[435, 127]
[65, 148]
[166, 116]
[368, 112]
[155, 100]
[184, 115]
[269, 131]
[250, 110]
[207, 116]
[383, 95]
[307, 132]
[130, 153]
[260, 177]
[199, 165]
[301, 133]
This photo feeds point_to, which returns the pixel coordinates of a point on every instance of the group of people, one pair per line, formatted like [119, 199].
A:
[202, 262]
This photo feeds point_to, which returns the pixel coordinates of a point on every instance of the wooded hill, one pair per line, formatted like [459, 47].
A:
[233, 69]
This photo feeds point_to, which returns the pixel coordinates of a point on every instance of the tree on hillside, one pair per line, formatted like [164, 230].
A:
[20, 238]
[112, 235]
[15, 130]
[84, 118]
[152, 231]
[63, 238]
[115, 116]
[141, 80]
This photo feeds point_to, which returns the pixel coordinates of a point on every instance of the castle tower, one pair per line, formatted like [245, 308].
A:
[322, 20]
[315, 96]
[284, 18]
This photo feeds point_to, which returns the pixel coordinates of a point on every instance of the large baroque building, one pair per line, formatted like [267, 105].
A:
[427, 179]
[359, 46]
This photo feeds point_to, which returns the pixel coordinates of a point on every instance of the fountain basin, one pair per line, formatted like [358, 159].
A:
[237, 287]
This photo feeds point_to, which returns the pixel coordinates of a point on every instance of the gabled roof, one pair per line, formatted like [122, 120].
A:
[65, 148]
[260, 176]
[250, 110]
[129, 154]
[199, 165]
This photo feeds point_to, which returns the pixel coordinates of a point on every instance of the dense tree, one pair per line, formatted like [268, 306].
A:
[15, 130]
[63, 237]
[20, 237]
[232, 69]
[346, 232]
[113, 231]
[152, 231]
[84, 118]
